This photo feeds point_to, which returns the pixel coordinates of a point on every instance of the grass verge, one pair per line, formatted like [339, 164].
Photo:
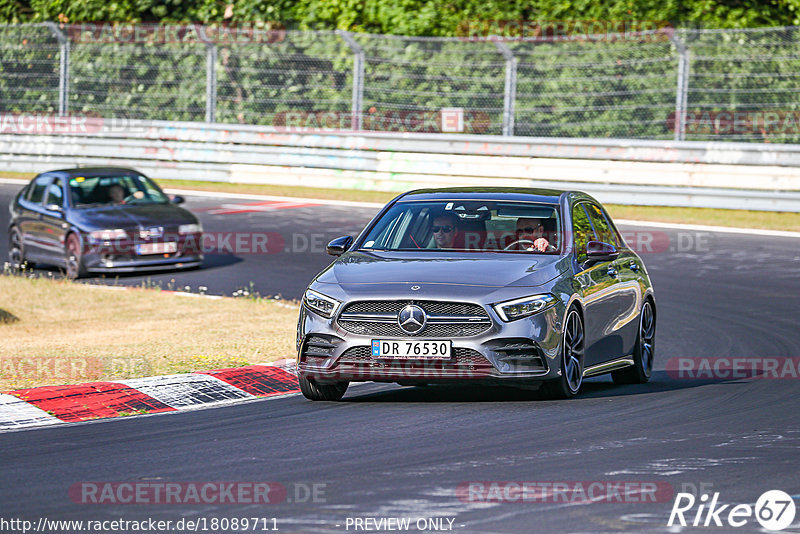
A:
[714, 217]
[66, 333]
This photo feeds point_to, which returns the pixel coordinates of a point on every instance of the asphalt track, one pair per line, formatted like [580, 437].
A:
[390, 451]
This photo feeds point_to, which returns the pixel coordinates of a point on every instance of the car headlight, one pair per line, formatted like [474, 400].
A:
[320, 303]
[108, 235]
[190, 228]
[512, 310]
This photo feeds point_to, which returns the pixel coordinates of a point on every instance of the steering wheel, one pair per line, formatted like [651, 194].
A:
[517, 242]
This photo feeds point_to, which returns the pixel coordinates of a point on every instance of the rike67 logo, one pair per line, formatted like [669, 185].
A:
[774, 510]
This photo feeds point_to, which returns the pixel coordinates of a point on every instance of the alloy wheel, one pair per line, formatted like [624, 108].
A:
[647, 334]
[573, 351]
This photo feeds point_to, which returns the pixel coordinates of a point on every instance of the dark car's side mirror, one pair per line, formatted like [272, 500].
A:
[177, 199]
[599, 251]
[339, 245]
[54, 207]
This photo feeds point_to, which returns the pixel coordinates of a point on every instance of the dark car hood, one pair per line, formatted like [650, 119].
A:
[479, 269]
[132, 216]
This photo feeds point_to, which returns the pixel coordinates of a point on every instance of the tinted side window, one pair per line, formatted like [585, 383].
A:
[55, 195]
[601, 226]
[37, 189]
[581, 231]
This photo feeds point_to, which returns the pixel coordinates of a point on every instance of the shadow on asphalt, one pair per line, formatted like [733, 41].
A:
[594, 388]
[210, 262]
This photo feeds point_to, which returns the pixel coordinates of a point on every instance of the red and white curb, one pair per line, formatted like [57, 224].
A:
[50, 405]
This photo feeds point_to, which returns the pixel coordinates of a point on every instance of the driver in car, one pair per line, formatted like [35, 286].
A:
[117, 194]
[530, 235]
[444, 229]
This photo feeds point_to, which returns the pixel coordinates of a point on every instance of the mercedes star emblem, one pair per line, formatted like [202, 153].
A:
[412, 319]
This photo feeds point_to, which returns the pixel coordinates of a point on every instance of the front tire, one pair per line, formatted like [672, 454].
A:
[569, 383]
[322, 392]
[74, 258]
[16, 250]
[643, 354]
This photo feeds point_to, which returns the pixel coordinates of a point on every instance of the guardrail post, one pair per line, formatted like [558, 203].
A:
[358, 78]
[211, 82]
[63, 68]
[510, 90]
[682, 93]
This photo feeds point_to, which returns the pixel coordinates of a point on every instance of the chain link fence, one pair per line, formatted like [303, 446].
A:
[722, 85]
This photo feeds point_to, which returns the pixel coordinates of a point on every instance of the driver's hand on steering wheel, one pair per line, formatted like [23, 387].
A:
[540, 244]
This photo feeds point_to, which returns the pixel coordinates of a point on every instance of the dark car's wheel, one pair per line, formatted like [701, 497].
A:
[16, 250]
[569, 383]
[322, 392]
[643, 354]
[74, 258]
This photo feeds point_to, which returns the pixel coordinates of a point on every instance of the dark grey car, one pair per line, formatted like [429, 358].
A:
[101, 220]
[526, 287]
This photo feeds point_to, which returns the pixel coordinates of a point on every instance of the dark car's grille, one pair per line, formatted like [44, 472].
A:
[445, 319]
[460, 356]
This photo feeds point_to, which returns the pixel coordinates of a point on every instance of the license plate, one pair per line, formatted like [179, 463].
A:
[421, 349]
[156, 248]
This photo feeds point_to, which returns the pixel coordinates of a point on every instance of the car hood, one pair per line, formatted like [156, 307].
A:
[463, 269]
[132, 216]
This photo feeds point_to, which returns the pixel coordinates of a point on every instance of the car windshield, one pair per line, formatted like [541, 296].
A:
[468, 225]
[112, 190]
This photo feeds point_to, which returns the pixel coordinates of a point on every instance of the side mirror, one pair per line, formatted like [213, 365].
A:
[177, 199]
[338, 246]
[54, 207]
[599, 251]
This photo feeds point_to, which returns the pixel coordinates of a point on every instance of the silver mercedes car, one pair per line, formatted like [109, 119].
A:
[525, 287]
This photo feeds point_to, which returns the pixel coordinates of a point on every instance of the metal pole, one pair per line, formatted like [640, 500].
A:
[63, 68]
[682, 92]
[211, 82]
[510, 90]
[358, 78]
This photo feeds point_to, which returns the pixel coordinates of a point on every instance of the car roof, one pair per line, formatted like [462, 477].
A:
[94, 171]
[547, 196]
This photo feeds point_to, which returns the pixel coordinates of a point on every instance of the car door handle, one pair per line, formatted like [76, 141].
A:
[612, 271]
[633, 266]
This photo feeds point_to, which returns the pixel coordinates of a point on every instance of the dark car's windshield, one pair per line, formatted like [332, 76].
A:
[114, 190]
[468, 225]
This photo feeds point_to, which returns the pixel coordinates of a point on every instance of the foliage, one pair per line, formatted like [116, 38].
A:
[596, 88]
[410, 17]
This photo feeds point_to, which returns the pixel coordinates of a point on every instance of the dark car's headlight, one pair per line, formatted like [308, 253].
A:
[511, 310]
[321, 304]
[108, 235]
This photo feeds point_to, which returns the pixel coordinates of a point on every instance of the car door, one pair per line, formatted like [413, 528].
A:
[599, 289]
[53, 224]
[629, 269]
[29, 221]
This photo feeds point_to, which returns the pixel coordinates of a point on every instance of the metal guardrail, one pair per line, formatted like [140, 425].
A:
[697, 174]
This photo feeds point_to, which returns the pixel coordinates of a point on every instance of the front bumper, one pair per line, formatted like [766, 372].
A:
[522, 351]
[122, 256]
